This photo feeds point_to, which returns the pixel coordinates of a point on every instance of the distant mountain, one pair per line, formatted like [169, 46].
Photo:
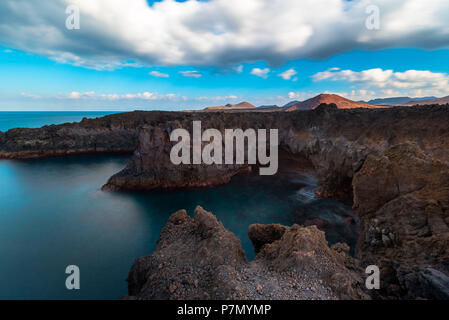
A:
[444, 100]
[342, 103]
[268, 107]
[396, 100]
[241, 105]
[290, 104]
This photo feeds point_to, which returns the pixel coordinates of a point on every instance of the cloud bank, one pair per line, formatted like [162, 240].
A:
[219, 33]
[414, 82]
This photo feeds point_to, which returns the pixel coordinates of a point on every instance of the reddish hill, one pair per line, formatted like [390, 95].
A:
[444, 100]
[241, 105]
[342, 103]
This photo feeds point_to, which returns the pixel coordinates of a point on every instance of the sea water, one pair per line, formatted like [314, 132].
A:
[53, 214]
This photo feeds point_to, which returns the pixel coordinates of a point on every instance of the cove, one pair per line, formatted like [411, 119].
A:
[53, 214]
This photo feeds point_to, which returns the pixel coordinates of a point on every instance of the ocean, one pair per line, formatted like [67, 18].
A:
[54, 214]
[37, 119]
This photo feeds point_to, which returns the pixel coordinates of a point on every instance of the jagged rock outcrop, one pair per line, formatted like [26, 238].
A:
[113, 133]
[197, 258]
[336, 142]
[402, 199]
[151, 166]
[261, 235]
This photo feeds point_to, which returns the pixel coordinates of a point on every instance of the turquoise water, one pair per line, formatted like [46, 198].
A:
[26, 119]
[53, 214]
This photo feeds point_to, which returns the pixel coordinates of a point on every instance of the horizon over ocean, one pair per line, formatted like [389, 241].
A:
[37, 119]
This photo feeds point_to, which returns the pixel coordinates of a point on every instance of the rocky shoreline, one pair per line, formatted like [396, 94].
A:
[197, 258]
[393, 162]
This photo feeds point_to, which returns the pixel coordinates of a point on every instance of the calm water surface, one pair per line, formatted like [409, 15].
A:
[37, 119]
[53, 214]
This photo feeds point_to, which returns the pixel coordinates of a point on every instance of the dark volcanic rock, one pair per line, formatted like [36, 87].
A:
[151, 166]
[402, 199]
[261, 234]
[192, 260]
[199, 259]
[112, 133]
[336, 142]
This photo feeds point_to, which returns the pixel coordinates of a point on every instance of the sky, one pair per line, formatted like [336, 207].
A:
[177, 55]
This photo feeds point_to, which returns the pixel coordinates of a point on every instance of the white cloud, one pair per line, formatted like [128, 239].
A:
[141, 95]
[301, 96]
[217, 98]
[191, 74]
[221, 33]
[410, 82]
[158, 74]
[75, 95]
[287, 75]
[376, 76]
[79, 95]
[294, 95]
[357, 95]
[30, 95]
[263, 73]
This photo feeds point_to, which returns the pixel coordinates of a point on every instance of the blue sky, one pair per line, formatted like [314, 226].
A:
[44, 66]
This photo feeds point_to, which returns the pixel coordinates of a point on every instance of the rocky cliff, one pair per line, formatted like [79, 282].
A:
[402, 199]
[197, 258]
[335, 142]
[113, 133]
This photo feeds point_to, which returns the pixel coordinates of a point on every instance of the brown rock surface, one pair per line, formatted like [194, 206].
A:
[199, 259]
[113, 133]
[336, 142]
[402, 199]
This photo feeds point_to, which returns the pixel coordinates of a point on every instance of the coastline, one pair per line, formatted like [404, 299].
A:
[348, 150]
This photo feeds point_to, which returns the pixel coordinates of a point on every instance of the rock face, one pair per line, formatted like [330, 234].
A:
[113, 133]
[151, 166]
[336, 142]
[199, 259]
[402, 199]
[394, 162]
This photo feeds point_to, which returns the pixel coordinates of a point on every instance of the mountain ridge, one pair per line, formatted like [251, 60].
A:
[441, 101]
[342, 103]
[241, 105]
[396, 100]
